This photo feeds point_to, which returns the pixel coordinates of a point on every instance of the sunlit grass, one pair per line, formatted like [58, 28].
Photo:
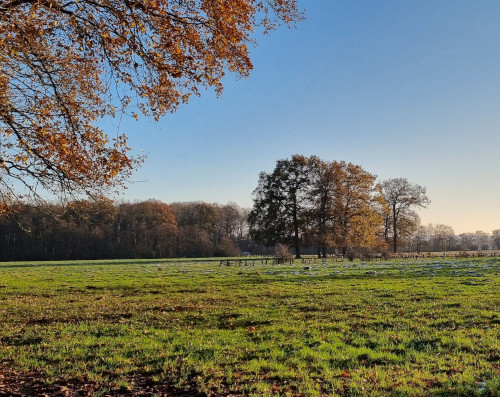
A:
[426, 327]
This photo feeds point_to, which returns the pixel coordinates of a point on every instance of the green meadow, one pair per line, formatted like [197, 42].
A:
[428, 327]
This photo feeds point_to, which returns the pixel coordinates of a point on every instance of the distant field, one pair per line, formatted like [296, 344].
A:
[403, 328]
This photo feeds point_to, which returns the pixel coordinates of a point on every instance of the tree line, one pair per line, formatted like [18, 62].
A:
[101, 229]
[442, 238]
[305, 203]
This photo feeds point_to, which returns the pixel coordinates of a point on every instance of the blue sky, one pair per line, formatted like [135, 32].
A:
[403, 88]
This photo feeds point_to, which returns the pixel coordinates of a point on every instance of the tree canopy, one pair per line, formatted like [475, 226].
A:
[402, 197]
[306, 200]
[280, 203]
[66, 65]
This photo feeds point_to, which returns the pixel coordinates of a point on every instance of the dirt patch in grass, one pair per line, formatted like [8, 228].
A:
[34, 383]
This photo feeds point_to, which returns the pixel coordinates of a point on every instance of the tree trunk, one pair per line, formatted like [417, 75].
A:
[296, 229]
[394, 229]
[297, 247]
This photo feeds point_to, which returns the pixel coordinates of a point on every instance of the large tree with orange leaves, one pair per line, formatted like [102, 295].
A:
[64, 65]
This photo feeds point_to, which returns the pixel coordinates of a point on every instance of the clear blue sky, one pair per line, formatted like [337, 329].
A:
[403, 88]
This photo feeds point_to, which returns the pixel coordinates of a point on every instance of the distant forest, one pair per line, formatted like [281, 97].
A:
[103, 229]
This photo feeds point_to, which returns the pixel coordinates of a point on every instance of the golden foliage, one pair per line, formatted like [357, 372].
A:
[356, 220]
[65, 65]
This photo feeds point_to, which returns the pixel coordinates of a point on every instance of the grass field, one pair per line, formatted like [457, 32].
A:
[402, 328]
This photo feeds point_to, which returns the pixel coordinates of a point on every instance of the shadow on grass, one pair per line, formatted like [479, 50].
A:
[20, 340]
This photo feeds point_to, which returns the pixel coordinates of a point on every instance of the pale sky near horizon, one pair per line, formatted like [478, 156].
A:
[403, 88]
